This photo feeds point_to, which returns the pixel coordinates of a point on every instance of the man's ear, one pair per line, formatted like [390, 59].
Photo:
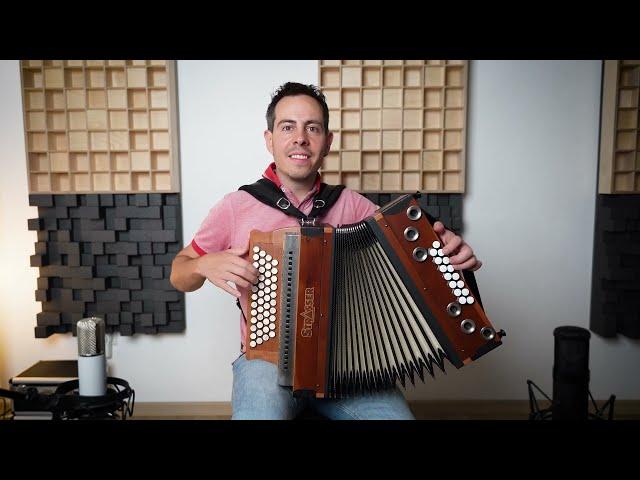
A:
[328, 144]
[268, 140]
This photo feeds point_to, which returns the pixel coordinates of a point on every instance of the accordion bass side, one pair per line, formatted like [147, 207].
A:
[358, 307]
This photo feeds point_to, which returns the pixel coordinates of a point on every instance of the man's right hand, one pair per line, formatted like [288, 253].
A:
[189, 270]
[228, 266]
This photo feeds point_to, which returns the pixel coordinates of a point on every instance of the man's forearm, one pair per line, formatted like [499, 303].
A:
[184, 275]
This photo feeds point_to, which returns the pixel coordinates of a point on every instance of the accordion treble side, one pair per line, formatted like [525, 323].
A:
[358, 307]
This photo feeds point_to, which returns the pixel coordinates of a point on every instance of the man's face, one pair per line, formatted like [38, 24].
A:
[299, 141]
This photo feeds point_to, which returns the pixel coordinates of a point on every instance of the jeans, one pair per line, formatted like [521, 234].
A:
[256, 395]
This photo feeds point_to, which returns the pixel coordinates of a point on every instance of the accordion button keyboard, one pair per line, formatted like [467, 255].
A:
[263, 298]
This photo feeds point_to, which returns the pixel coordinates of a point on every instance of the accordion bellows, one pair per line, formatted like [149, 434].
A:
[355, 309]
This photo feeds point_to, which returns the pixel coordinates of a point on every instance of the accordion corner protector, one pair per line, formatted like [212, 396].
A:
[358, 307]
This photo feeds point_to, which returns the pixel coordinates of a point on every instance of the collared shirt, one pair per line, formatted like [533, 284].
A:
[231, 220]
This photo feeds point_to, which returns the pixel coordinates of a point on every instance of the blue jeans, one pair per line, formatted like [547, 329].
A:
[256, 395]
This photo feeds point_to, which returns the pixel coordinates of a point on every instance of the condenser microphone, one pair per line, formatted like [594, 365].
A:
[92, 363]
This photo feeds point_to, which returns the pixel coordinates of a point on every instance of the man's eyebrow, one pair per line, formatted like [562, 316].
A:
[308, 122]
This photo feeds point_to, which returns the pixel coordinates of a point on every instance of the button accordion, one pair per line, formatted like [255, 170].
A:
[354, 309]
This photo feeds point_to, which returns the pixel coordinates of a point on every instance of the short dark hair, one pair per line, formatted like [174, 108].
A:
[290, 89]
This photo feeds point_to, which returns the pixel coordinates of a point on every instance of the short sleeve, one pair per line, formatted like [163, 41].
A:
[215, 232]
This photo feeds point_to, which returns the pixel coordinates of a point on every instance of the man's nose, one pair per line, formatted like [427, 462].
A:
[301, 138]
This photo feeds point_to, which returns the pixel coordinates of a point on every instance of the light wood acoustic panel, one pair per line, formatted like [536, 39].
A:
[100, 126]
[399, 125]
[620, 129]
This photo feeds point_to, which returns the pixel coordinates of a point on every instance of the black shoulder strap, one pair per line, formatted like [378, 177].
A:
[268, 193]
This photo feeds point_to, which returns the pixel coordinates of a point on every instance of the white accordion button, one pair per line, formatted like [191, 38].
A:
[267, 265]
[267, 281]
[265, 337]
[438, 260]
[259, 325]
[450, 268]
[261, 269]
[260, 309]
[256, 264]
[440, 252]
[259, 341]
[272, 327]
[272, 310]
[457, 292]
[456, 276]
[260, 316]
[267, 273]
[261, 279]
[433, 252]
[452, 284]
[262, 253]
[256, 249]
[261, 293]
[252, 344]
[272, 317]
[260, 302]
[256, 256]
[462, 300]
[272, 334]
[274, 286]
[252, 328]
[253, 313]
[445, 260]
[442, 268]
[254, 289]
[261, 261]
[252, 336]
[447, 276]
[465, 292]
[275, 262]
[470, 300]
[254, 296]
[261, 285]
[460, 284]
[269, 258]
[267, 298]
[274, 270]
[254, 304]
[435, 244]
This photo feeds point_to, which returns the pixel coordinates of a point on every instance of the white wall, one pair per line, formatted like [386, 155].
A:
[534, 122]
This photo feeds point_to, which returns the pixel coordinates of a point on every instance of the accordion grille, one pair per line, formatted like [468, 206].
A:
[379, 335]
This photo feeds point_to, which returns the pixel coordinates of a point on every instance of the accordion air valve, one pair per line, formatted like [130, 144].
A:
[358, 307]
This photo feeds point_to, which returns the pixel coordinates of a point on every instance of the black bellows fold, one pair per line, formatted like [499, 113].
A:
[378, 334]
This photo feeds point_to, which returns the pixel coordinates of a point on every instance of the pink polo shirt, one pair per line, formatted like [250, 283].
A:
[231, 220]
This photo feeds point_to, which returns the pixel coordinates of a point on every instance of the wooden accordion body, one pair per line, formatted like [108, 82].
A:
[355, 308]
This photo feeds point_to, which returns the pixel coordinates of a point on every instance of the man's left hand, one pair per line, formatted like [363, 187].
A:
[459, 252]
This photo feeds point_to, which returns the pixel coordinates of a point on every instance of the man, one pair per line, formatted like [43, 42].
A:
[298, 138]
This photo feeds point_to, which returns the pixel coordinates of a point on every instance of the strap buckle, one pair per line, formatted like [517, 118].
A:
[283, 203]
[310, 222]
[319, 203]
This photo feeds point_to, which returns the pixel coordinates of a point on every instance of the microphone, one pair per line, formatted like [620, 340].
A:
[92, 363]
